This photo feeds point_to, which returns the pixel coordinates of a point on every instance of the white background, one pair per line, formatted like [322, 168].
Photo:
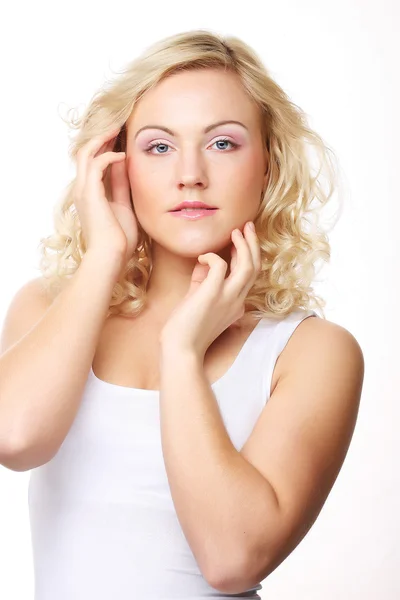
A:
[337, 61]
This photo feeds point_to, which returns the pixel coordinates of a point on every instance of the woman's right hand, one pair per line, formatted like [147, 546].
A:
[107, 225]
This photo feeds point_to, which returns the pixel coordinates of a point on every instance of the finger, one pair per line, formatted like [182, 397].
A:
[254, 245]
[110, 144]
[216, 275]
[120, 185]
[95, 172]
[233, 257]
[95, 144]
[87, 152]
[244, 268]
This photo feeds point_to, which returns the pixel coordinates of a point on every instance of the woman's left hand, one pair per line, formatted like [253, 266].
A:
[214, 302]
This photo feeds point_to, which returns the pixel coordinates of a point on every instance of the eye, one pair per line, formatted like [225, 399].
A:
[226, 140]
[157, 144]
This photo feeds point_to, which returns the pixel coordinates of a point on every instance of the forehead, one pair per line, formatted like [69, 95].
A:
[196, 97]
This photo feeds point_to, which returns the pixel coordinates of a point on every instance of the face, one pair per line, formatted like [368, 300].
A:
[223, 166]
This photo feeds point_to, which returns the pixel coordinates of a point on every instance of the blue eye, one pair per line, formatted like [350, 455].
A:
[158, 144]
[155, 145]
[226, 140]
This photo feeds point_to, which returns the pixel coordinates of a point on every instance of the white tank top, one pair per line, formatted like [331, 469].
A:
[103, 523]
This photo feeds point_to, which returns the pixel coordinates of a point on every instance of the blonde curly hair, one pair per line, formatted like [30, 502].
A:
[287, 224]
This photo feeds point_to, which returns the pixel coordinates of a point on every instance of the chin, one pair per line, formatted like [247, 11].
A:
[192, 249]
[190, 241]
[192, 252]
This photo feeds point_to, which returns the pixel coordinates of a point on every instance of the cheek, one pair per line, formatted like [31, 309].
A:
[253, 172]
[247, 188]
[248, 172]
[145, 213]
[140, 189]
[146, 185]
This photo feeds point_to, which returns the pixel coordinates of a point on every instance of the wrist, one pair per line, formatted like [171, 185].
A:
[172, 354]
[112, 261]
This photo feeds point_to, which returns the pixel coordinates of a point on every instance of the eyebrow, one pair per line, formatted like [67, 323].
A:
[206, 130]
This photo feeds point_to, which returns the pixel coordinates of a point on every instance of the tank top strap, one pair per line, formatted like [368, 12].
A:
[280, 334]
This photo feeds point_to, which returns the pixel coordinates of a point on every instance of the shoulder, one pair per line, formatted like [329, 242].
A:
[317, 341]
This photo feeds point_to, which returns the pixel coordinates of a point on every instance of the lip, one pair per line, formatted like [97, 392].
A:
[194, 214]
[194, 204]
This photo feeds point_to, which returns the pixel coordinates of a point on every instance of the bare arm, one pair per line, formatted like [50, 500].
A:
[42, 375]
[243, 512]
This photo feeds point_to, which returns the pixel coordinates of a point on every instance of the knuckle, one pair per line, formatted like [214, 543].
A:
[220, 261]
[97, 159]
[223, 266]
[103, 159]
[248, 270]
[83, 151]
[239, 312]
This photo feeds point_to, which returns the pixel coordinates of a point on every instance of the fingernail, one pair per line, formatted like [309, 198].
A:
[250, 225]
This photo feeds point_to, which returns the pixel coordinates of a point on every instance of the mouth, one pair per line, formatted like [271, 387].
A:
[194, 204]
[193, 213]
[192, 209]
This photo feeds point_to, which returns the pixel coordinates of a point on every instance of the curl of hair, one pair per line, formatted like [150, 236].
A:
[287, 223]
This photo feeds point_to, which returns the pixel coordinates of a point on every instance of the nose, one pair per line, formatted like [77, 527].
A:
[191, 182]
[191, 172]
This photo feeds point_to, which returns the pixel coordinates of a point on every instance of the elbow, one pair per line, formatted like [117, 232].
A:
[18, 456]
[12, 456]
[243, 575]
[236, 578]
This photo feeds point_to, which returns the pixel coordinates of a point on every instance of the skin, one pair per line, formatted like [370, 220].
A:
[271, 492]
[192, 166]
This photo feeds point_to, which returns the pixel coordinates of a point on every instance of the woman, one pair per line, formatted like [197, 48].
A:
[183, 417]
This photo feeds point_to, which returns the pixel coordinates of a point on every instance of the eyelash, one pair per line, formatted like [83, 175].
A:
[155, 144]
